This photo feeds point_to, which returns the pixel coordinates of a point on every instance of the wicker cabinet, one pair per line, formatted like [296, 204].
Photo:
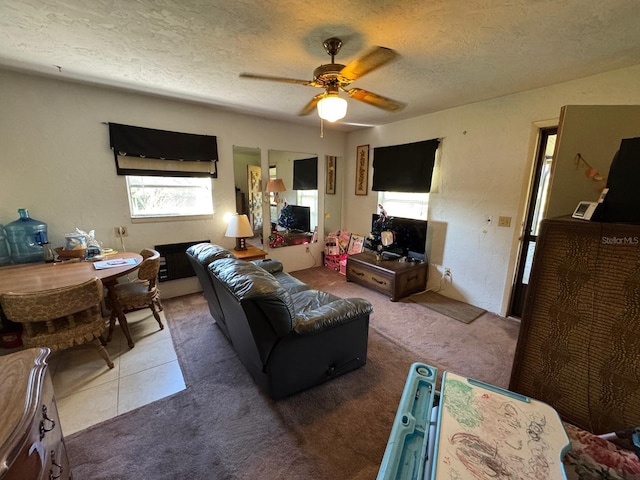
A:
[579, 342]
[31, 442]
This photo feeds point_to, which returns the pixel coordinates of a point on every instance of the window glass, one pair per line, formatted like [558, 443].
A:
[406, 205]
[169, 196]
[309, 198]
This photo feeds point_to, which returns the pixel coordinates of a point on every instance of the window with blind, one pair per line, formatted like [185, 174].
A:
[168, 174]
[404, 168]
[149, 152]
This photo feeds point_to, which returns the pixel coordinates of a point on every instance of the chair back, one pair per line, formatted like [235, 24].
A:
[51, 304]
[200, 256]
[149, 267]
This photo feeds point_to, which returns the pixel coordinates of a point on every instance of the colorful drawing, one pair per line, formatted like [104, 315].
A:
[489, 434]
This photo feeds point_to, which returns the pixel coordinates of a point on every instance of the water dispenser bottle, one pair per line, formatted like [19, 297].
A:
[26, 236]
[5, 257]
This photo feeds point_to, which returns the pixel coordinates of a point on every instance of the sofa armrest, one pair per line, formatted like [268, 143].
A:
[331, 315]
[270, 265]
[205, 253]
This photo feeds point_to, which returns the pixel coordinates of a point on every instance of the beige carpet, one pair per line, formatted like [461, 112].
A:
[463, 312]
[222, 427]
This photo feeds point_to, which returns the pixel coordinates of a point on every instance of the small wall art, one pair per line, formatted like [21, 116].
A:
[356, 244]
[330, 186]
[362, 169]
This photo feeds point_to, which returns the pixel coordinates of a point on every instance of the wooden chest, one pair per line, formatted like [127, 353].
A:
[393, 277]
[31, 441]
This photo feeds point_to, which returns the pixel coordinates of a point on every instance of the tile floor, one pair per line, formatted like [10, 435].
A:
[88, 392]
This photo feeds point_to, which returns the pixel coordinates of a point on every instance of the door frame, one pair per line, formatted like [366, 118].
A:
[527, 189]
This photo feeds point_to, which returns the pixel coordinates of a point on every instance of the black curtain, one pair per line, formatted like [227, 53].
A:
[130, 143]
[404, 168]
[305, 174]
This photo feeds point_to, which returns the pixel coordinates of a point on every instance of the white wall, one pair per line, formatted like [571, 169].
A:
[484, 166]
[595, 132]
[56, 161]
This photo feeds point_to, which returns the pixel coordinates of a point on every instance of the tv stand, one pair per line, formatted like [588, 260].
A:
[393, 277]
[297, 238]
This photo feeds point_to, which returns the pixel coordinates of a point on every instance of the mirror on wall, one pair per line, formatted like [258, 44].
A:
[292, 206]
[247, 174]
[333, 193]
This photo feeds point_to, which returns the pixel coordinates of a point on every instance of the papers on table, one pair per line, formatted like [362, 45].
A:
[115, 263]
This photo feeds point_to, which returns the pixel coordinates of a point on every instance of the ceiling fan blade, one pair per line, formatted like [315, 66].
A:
[375, 99]
[275, 79]
[374, 58]
[310, 107]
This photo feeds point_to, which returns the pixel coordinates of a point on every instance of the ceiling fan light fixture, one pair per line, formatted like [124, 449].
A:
[332, 108]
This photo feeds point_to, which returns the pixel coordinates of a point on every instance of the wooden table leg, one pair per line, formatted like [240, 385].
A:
[122, 318]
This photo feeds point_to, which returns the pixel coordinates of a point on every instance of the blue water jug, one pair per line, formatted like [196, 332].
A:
[5, 257]
[26, 236]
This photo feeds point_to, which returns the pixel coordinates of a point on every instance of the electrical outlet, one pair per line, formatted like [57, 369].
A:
[447, 272]
[504, 221]
[121, 231]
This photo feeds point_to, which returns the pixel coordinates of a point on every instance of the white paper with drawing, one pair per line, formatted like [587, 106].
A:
[486, 433]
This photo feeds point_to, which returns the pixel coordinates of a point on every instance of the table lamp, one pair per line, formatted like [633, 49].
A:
[275, 186]
[240, 228]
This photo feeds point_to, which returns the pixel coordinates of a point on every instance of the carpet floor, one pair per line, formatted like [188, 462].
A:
[223, 427]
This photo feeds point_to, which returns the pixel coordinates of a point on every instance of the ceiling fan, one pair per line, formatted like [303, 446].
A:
[335, 77]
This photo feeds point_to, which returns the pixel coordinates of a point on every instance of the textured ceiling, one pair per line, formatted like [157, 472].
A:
[452, 52]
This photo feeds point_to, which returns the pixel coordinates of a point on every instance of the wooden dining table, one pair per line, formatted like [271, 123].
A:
[37, 277]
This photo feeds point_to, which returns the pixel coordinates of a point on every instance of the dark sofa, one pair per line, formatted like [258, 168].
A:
[288, 336]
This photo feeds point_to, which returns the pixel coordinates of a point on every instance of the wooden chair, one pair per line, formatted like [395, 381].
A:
[141, 293]
[60, 318]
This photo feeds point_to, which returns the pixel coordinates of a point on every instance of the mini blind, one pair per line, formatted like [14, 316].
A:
[404, 168]
[147, 151]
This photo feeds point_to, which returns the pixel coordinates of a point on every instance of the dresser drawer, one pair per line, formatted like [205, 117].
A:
[375, 279]
[31, 442]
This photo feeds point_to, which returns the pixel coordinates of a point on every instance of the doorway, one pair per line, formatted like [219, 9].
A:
[535, 212]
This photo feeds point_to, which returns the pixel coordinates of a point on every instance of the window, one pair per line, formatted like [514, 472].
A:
[406, 205]
[169, 196]
[309, 198]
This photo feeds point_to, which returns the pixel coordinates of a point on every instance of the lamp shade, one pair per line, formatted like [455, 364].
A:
[332, 108]
[275, 185]
[240, 228]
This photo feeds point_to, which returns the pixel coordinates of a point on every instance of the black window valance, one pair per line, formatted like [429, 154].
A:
[404, 168]
[305, 174]
[147, 151]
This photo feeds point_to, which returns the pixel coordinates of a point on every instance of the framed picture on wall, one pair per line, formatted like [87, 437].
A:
[254, 180]
[362, 169]
[330, 186]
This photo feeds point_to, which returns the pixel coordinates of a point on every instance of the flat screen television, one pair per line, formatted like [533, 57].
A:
[409, 236]
[302, 222]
